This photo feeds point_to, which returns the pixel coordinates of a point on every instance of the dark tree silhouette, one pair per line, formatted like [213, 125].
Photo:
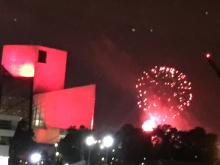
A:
[21, 143]
[133, 145]
[72, 146]
[194, 145]
[164, 143]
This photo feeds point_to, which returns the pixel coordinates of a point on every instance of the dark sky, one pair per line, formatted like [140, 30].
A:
[110, 42]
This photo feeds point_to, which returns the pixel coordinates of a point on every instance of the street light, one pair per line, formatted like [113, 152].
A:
[90, 141]
[107, 141]
[35, 157]
[57, 154]
[56, 145]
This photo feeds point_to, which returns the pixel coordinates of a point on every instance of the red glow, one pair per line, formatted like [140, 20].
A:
[26, 70]
[149, 125]
[48, 135]
[156, 140]
[68, 107]
[16, 59]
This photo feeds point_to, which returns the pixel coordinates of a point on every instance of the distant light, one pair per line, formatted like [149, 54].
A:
[208, 56]
[15, 19]
[66, 164]
[133, 29]
[56, 145]
[57, 153]
[90, 140]
[108, 141]
[103, 159]
[102, 146]
[35, 157]
[37, 122]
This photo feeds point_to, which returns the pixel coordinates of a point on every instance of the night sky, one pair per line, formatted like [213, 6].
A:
[110, 43]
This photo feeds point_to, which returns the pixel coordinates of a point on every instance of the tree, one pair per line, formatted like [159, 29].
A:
[21, 143]
[72, 146]
[132, 145]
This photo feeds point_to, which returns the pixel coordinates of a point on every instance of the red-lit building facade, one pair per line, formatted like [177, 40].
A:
[54, 107]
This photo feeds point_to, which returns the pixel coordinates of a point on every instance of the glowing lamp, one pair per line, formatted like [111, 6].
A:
[26, 70]
[90, 140]
[57, 153]
[35, 157]
[108, 141]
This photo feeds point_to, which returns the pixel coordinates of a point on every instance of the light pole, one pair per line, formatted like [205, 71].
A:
[107, 141]
[90, 141]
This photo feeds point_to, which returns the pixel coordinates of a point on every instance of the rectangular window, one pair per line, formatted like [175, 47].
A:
[5, 124]
[5, 140]
[37, 120]
[42, 56]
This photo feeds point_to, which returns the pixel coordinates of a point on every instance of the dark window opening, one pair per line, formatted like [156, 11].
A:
[42, 56]
[4, 124]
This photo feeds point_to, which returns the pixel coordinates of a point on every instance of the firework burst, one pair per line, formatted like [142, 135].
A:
[163, 92]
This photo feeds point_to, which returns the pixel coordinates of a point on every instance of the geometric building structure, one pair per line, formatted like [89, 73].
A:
[63, 109]
[54, 107]
[70, 103]
[46, 65]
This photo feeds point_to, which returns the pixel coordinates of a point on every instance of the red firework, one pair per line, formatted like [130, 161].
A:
[163, 93]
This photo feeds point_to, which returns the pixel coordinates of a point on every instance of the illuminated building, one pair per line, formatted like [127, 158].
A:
[55, 108]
